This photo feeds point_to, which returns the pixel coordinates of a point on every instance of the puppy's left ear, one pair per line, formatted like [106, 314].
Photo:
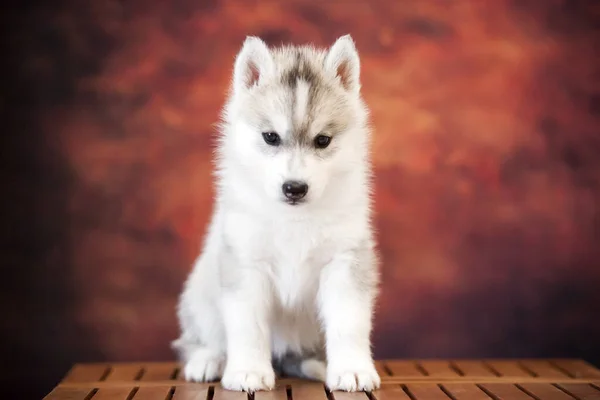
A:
[252, 64]
[342, 60]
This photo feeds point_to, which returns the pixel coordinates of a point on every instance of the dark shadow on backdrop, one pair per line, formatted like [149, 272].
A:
[40, 338]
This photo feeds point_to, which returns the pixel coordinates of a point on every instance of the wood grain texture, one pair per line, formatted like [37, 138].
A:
[279, 393]
[223, 394]
[114, 394]
[465, 391]
[87, 373]
[581, 391]
[542, 368]
[126, 373]
[508, 368]
[578, 368]
[438, 369]
[338, 395]
[190, 393]
[61, 393]
[473, 368]
[391, 393]
[381, 368]
[304, 390]
[426, 391]
[153, 393]
[505, 391]
[404, 368]
[154, 372]
[412, 379]
[544, 391]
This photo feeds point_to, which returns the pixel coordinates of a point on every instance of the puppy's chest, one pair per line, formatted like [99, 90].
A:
[294, 252]
[297, 261]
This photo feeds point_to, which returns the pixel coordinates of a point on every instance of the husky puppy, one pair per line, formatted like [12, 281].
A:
[288, 274]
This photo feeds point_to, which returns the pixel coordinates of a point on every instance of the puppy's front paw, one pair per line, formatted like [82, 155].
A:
[203, 366]
[353, 378]
[250, 380]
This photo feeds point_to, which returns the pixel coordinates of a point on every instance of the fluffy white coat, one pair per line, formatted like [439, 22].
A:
[294, 283]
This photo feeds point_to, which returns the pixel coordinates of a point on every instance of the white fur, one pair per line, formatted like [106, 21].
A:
[301, 101]
[343, 53]
[254, 54]
[274, 278]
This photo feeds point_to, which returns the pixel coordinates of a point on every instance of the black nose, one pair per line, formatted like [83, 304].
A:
[294, 190]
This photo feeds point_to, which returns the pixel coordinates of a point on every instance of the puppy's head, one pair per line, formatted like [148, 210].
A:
[296, 121]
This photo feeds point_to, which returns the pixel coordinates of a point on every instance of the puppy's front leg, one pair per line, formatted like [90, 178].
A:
[246, 314]
[346, 295]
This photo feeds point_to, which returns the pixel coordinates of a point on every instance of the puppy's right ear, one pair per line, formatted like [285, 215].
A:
[342, 59]
[252, 64]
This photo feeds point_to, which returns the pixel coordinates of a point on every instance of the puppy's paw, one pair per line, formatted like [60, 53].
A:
[203, 366]
[353, 378]
[249, 380]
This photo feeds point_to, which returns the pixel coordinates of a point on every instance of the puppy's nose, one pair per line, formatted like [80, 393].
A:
[294, 190]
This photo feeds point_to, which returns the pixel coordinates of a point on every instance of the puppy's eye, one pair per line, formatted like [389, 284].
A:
[271, 138]
[322, 141]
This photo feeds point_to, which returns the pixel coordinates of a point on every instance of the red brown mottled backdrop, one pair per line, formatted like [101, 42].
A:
[487, 155]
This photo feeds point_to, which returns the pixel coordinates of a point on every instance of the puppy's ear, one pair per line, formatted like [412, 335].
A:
[343, 61]
[252, 64]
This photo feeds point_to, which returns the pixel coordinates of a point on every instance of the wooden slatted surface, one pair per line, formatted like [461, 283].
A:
[401, 380]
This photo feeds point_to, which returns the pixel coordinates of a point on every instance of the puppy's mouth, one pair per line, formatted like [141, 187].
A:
[295, 202]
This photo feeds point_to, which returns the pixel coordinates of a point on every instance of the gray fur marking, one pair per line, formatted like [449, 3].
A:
[324, 101]
[303, 70]
[290, 365]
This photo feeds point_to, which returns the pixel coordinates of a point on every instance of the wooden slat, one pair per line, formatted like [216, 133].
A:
[124, 373]
[190, 393]
[427, 391]
[542, 368]
[505, 391]
[60, 393]
[473, 368]
[438, 369]
[545, 391]
[387, 382]
[86, 373]
[403, 368]
[113, 393]
[381, 369]
[349, 396]
[423, 379]
[152, 393]
[512, 380]
[180, 375]
[577, 368]
[581, 391]
[390, 393]
[158, 372]
[508, 368]
[279, 393]
[465, 391]
[224, 394]
[311, 391]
